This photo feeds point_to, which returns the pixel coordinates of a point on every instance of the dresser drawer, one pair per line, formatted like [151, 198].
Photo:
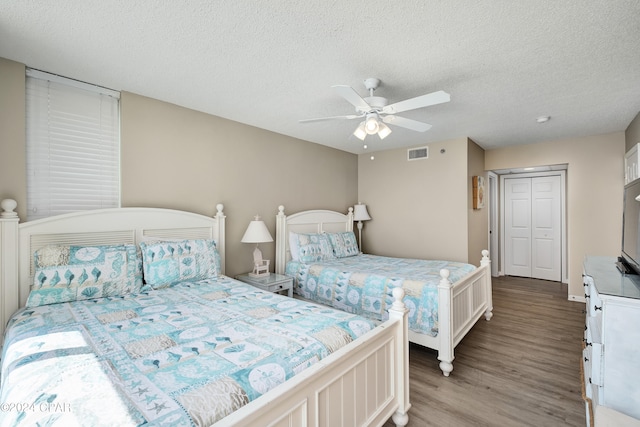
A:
[586, 366]
[594, 301]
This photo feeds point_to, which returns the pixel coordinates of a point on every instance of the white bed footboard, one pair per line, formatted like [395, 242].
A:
[460, 306]
[362, 384]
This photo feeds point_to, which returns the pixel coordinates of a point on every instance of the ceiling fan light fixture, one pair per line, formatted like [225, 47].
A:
[360, 132]
[371, 124]
[384, 131]
[371, 108]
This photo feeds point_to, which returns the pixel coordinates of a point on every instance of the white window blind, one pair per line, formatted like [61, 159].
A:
[73, 146]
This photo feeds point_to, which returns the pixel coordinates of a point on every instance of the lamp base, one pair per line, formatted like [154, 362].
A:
[260, 269]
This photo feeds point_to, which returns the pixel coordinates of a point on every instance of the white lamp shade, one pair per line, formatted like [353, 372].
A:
[257, 232]
[384, 131]
[360, 213]
[360, 132]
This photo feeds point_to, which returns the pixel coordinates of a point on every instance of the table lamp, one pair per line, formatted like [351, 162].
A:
[360, 214]
[257, 233]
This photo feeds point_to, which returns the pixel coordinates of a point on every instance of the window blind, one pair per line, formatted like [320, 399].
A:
[73, 146]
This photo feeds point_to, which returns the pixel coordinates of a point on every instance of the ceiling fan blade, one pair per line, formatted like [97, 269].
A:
[352, 96]
[321, 119]
[406, 123]
[418, 102]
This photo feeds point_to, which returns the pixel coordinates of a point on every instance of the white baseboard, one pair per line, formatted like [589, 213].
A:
[577, 298]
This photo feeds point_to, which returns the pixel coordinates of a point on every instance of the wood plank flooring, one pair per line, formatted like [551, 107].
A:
[522, 368]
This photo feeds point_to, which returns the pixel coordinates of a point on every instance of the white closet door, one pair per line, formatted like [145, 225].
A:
[533, 244]
[546, 228]
[517, 216]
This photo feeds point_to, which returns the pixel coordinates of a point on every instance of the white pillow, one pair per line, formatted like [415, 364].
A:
[293, 246]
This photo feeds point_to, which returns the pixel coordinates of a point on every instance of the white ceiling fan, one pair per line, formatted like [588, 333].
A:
[375, 112]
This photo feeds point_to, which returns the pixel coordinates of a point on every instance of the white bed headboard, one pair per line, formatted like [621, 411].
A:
[313, 221]
[18, 241]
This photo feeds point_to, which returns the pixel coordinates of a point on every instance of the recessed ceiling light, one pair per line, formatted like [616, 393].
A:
[543, 119]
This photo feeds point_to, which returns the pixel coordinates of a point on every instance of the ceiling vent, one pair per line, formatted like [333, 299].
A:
[418, 153]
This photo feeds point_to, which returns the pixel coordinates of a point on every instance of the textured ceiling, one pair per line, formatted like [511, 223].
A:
[272, 63]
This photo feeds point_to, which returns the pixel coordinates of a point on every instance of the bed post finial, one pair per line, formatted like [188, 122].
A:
[8, 205]
[398, 296]
[485, 258]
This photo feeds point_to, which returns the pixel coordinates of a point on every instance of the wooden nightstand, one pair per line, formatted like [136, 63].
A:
[271, 283]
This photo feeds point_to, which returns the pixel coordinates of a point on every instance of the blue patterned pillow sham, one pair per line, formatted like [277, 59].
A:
[344, 244]
[68, 273]
[169, 262]
[314, 247]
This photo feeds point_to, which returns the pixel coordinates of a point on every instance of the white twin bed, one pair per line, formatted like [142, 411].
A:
[318, 249]
[82, 346]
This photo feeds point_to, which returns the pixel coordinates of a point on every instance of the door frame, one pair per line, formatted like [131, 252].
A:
[564, 273]
[494, 225]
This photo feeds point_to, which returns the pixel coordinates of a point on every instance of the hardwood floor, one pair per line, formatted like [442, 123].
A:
[522, 368]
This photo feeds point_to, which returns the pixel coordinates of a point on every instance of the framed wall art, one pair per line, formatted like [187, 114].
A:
[478, 192]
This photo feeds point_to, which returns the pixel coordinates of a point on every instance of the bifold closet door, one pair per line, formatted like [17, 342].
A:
[533, 244]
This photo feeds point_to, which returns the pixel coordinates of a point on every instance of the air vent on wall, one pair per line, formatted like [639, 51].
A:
[418, 153]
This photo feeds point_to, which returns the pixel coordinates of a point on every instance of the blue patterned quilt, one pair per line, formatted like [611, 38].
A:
[180, 356]
[363, 284]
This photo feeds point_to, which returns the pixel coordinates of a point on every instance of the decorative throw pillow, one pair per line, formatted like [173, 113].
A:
[294, 250]
[69, 273]
[314, 247]
[344, 244]
[168, 262]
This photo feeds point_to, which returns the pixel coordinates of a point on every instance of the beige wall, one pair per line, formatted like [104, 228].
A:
[179, 158]
[632, 135]
[419, 208]
[478, 219]
[13, 183]
[594, 191]
[174, 157]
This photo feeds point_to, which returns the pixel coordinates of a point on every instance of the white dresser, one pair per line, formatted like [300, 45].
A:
[611, 355]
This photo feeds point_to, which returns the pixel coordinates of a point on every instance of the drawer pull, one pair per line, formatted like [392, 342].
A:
[595, 307]
[586, 359]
